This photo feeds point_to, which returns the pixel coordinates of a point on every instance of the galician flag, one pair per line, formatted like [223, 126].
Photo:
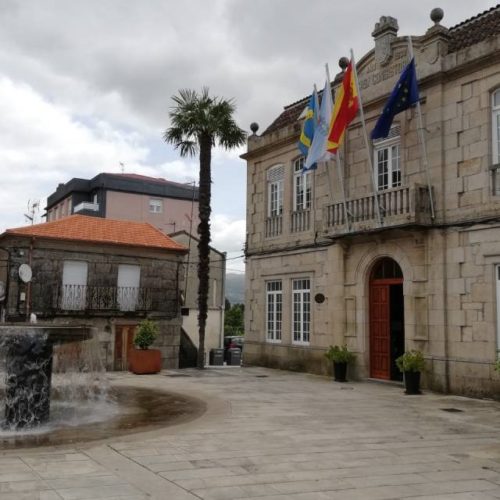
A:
[317, 151]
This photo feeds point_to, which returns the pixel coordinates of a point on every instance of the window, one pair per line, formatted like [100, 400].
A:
[129, 277]
[301, 297]
[301, 186]
[497, 276]
[74, 285]
[155, 206]
[387, 161]
[274, 310]
[495, 107]
[275, 177]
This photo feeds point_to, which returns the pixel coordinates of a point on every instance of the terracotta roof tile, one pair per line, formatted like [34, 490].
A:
[88, 229]
[475, 30]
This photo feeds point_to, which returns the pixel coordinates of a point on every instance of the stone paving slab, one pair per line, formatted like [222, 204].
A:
[274, 435]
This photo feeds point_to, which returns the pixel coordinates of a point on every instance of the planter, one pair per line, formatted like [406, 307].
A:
[144, 361]
[339, 371]
[412, 382]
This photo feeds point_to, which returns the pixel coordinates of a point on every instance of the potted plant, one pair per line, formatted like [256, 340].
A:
[341, 357]
[411, 363]
[142, 359]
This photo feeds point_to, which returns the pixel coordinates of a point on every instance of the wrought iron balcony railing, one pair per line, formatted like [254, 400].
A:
[91, 299]
[398, 206]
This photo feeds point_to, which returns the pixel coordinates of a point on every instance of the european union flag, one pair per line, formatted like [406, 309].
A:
[403, 95]
[309, 125]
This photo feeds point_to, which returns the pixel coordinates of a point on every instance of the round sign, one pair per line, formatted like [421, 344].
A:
[319, 298]
[25, 273]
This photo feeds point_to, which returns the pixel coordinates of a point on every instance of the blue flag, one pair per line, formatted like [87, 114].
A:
[317, 151]
[307, 134]
[403, 95]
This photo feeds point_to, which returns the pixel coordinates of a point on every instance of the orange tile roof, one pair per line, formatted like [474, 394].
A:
[98, 230]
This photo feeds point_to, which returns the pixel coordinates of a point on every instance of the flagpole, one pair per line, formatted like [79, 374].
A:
[339, 169]
[421, 136]
[368, 150]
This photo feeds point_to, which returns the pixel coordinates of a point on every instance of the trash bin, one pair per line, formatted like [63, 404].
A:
[216, 357]
[234, 356]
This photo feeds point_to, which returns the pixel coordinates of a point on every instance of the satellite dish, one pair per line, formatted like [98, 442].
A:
[25, 273]
[2, 291]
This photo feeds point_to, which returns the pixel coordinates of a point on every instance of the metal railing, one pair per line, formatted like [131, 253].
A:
[101, 299]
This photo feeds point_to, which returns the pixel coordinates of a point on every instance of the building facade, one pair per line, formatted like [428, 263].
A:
[169, 206]
[102, 273]
[214, 332]
[396, 253]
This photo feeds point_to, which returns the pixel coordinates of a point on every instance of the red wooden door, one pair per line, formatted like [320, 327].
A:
[380, 333]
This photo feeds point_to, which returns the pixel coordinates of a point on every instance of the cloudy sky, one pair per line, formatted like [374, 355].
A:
[87, 84]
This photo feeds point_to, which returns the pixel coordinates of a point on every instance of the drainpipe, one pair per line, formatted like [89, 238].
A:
[222, 300]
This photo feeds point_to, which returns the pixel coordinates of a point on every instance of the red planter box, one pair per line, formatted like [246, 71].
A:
[144, 361]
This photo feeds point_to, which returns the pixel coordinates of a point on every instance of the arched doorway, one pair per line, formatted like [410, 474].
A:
[387, 338]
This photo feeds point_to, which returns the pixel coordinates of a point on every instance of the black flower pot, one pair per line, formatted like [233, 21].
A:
[340, 371]
[412, 382]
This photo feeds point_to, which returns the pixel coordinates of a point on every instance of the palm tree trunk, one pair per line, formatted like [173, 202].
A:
[205, 142]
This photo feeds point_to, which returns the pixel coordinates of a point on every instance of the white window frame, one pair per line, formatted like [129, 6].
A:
[74, 285]
[495, 129]
[393, 147]
[274, 311]
[301, 311]
[275, 181]
[497, 281]
[302, 186]
[127, 284]
[155, 206]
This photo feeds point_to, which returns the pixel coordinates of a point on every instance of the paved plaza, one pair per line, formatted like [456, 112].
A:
[275, 435]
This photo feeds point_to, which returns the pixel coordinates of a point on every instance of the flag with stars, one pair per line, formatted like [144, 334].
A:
[403, 95]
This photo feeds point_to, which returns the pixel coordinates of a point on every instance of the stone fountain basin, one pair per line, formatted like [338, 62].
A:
[56, 334]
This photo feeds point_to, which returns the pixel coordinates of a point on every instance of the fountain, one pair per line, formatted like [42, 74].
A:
[56, 394]
[28, 366]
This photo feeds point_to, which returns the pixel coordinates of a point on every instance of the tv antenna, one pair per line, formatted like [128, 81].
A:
[33, 208]
[122, 166]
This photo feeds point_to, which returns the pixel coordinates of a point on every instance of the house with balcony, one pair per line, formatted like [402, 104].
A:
[109, 274]
[169, 206]
[396, 253]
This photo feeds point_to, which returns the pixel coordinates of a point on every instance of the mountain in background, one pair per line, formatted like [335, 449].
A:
[235, 288]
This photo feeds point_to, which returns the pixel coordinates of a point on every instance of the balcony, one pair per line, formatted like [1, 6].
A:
[86, 205]
[300, 221]
[274, 226]
[400, 206]
[101, 300]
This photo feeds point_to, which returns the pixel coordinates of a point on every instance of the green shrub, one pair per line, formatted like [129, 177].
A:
[146, 334]
[411, 361]
[339, 354]
[497, 365]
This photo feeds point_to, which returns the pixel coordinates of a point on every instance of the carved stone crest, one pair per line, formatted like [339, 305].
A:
[386, 30]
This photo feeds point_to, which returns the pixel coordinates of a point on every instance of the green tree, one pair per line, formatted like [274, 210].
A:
[198, 123]
[234, 320]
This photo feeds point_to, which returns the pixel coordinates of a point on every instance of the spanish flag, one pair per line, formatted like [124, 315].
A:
[345, 109]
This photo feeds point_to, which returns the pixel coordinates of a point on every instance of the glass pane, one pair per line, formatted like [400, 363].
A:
[497, 152]
[496, 98]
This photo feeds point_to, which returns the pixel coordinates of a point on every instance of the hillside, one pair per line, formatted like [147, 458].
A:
[235, 288]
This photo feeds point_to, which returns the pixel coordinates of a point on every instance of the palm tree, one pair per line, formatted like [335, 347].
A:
[200, 122]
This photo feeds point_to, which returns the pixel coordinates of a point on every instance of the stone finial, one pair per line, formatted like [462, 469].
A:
[386, 24]
[254, 126]
[384, 33]
[437, 15]
[343, 63]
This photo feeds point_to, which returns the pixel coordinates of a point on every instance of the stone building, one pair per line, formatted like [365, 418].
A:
[108, 274]
[170, 207]
[324, 268]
